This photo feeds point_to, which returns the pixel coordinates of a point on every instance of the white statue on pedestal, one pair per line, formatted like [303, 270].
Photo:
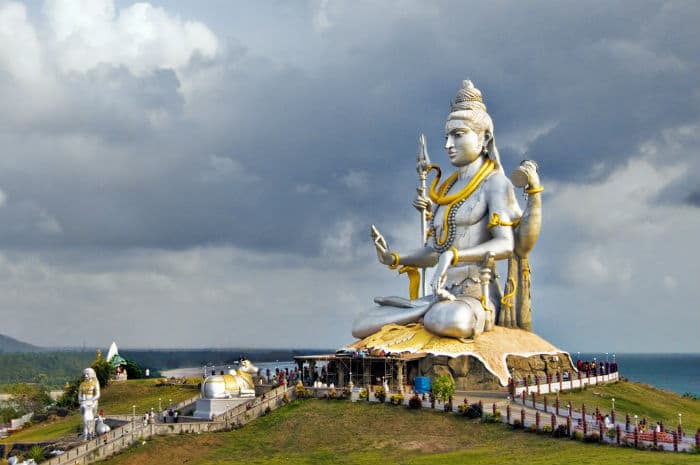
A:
[473, 220]
[88, 396]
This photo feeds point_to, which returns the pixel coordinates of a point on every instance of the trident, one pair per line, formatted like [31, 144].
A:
[422, 164]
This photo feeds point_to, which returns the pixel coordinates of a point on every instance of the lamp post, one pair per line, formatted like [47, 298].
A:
[636, 422]
[133, 421]
[612, 414]
[160, 407]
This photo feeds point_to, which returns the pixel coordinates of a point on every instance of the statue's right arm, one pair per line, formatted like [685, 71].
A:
[423, 257]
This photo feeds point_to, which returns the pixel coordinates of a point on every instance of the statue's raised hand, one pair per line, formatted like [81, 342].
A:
[421, 202]
[526, 175]
[383, 254]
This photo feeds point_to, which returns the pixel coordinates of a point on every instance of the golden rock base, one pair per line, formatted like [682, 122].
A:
[491, 348]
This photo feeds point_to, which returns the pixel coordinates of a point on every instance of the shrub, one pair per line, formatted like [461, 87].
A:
[380, 393]
[517, 424]
[610, 433]
[268, 410]
[578, 435]
[560, 432]
[489, 418]
[593, 437]
[547, 429]
[444, 388]
[532, 428]
[332, 393]
[415, 402]
[470, 411]
[36, 453]
[364, 394]
[396, 399]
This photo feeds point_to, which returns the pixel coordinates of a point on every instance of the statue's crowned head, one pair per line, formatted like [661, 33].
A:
[89, 373]
[468, 107]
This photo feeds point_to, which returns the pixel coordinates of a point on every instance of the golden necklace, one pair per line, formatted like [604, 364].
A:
[441, 198]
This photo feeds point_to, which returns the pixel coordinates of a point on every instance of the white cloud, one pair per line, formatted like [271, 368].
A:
[320, 20]
[140, 37]
[20, 50]
[356, 181]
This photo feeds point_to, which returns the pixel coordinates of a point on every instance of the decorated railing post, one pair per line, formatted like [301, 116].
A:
[597, 413]
[627, 422]
[617, 434]
[680, 432]
[655, 438]
[556, 405]
[508, 414]
[675, 442]
[522, 417]
[537, 420]
[561, 381]
[534, 399]
[601, 431]
[544, 399]
[525, 383]
[493, 409]
[697, 439]
[583, 412]
[522, 396]
[537, 384]
[571, 409]
[662, 427]
[636, 438]
[553, 422]
[585, 427]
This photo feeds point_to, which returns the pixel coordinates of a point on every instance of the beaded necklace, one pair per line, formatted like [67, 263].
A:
[453, 201]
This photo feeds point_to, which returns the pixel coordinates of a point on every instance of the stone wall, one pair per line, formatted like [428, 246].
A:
[470, 374]
[539, 365]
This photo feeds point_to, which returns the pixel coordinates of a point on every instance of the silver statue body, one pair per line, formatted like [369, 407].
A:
[88, 397]
[475, 220]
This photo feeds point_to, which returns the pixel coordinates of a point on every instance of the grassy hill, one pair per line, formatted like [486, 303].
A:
[316, 431]
[8, 344]
[115, 399]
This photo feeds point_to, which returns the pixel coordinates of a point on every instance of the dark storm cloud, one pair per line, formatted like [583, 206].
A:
[600, 79]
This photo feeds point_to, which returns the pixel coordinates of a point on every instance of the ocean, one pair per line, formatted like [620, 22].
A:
[679, 373]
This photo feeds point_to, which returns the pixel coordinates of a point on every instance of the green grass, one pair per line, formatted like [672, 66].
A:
[116, 399]
[636, 399]
[340, 432]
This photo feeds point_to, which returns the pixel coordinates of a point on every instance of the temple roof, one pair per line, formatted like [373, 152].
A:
[113, 356]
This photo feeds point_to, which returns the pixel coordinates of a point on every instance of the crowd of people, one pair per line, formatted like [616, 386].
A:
[595, 368]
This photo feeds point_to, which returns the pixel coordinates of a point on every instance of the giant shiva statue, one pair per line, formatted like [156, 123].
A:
[472, 220]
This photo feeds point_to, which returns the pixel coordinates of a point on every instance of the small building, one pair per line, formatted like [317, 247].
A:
[117, 361]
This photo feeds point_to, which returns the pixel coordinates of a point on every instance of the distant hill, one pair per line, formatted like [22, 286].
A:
[8, 344]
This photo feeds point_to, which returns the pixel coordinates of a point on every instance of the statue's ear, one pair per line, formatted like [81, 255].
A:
[488, 139]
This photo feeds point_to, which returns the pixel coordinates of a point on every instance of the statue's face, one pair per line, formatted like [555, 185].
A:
[463, 145]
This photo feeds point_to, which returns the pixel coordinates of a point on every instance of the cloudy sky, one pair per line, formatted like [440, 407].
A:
[197, 174]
